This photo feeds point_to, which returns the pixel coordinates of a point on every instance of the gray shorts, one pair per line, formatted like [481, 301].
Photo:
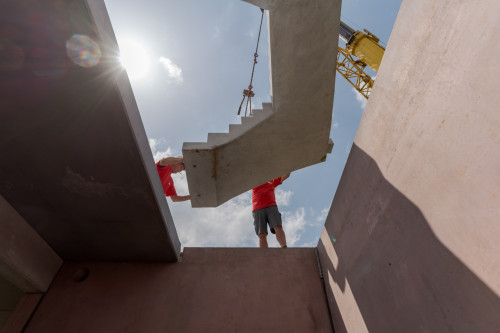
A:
[264, 216]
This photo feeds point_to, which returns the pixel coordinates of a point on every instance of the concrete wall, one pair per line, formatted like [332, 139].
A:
[9, 296]
[26, 260]
[80, 123]
[19, 317]
[211, 290]
[411, 240]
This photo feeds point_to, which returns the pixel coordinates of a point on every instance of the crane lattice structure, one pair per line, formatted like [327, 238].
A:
[365, 47]
[353, 71]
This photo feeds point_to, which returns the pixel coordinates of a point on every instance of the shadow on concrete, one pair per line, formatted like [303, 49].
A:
[402, 277]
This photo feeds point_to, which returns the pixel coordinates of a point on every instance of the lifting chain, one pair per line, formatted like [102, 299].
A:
[248, 93]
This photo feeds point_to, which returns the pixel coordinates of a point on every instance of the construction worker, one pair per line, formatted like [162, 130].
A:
[265, 211]
[167, 166]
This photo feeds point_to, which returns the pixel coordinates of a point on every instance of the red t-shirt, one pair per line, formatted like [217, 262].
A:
[263, 195]
[166, 179]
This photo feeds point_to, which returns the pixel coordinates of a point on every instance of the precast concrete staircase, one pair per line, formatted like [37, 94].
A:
[292, 132]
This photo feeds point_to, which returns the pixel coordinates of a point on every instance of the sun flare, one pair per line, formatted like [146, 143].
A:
[134, 58]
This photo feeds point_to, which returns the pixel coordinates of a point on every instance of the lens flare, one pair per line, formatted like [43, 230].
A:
[83, 51]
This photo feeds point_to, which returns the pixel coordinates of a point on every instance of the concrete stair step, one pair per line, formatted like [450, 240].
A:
[236, 129]
[217, 138]
[257, 117]
[214, 139]
[260, 113]
[267, 107]
[246, 120]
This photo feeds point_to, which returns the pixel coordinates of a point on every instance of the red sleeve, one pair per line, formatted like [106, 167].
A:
[167, 182]
[172, 190]
[276, 181]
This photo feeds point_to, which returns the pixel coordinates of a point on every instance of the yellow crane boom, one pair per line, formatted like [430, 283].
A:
[365, 47]
[353, 72]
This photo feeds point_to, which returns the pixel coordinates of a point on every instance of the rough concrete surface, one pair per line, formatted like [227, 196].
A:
[303, 37]
[411, 240]
[76, 163]
[26, 260]
[211, 290]
[9, 296]
[21, 314]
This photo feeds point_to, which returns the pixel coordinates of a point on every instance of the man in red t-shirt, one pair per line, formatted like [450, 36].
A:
[167, 166]
[265, 211]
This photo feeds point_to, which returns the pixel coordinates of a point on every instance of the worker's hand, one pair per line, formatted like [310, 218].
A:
[171, 160]
[179, 198]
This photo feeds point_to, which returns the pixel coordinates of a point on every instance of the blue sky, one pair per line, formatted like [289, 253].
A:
[200, 56]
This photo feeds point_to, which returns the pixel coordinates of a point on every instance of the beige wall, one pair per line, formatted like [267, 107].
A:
[411, 240]
[211, 290]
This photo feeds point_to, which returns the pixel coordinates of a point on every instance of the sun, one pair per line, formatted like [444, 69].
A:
[134, 58]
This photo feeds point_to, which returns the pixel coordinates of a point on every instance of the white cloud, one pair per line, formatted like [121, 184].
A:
[158, 154]
[231, 224]
[361, 100]
[294, 225]
[322, 215]
[172, 69]
[180, 182]
[152, 144]
[335, 125]
[283, 197]
[250, 34]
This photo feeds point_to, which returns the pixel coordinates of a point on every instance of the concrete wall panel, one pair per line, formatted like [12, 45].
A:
[21, 314]
[411, 240]
[76, 162]
[26, 260]
[211, 290]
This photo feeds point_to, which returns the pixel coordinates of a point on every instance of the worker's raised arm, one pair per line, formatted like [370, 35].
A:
[179, 198]
[285, 177]
[170, 161]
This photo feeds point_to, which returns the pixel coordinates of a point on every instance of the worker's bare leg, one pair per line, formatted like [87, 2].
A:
[280, 235]
[263, 240]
